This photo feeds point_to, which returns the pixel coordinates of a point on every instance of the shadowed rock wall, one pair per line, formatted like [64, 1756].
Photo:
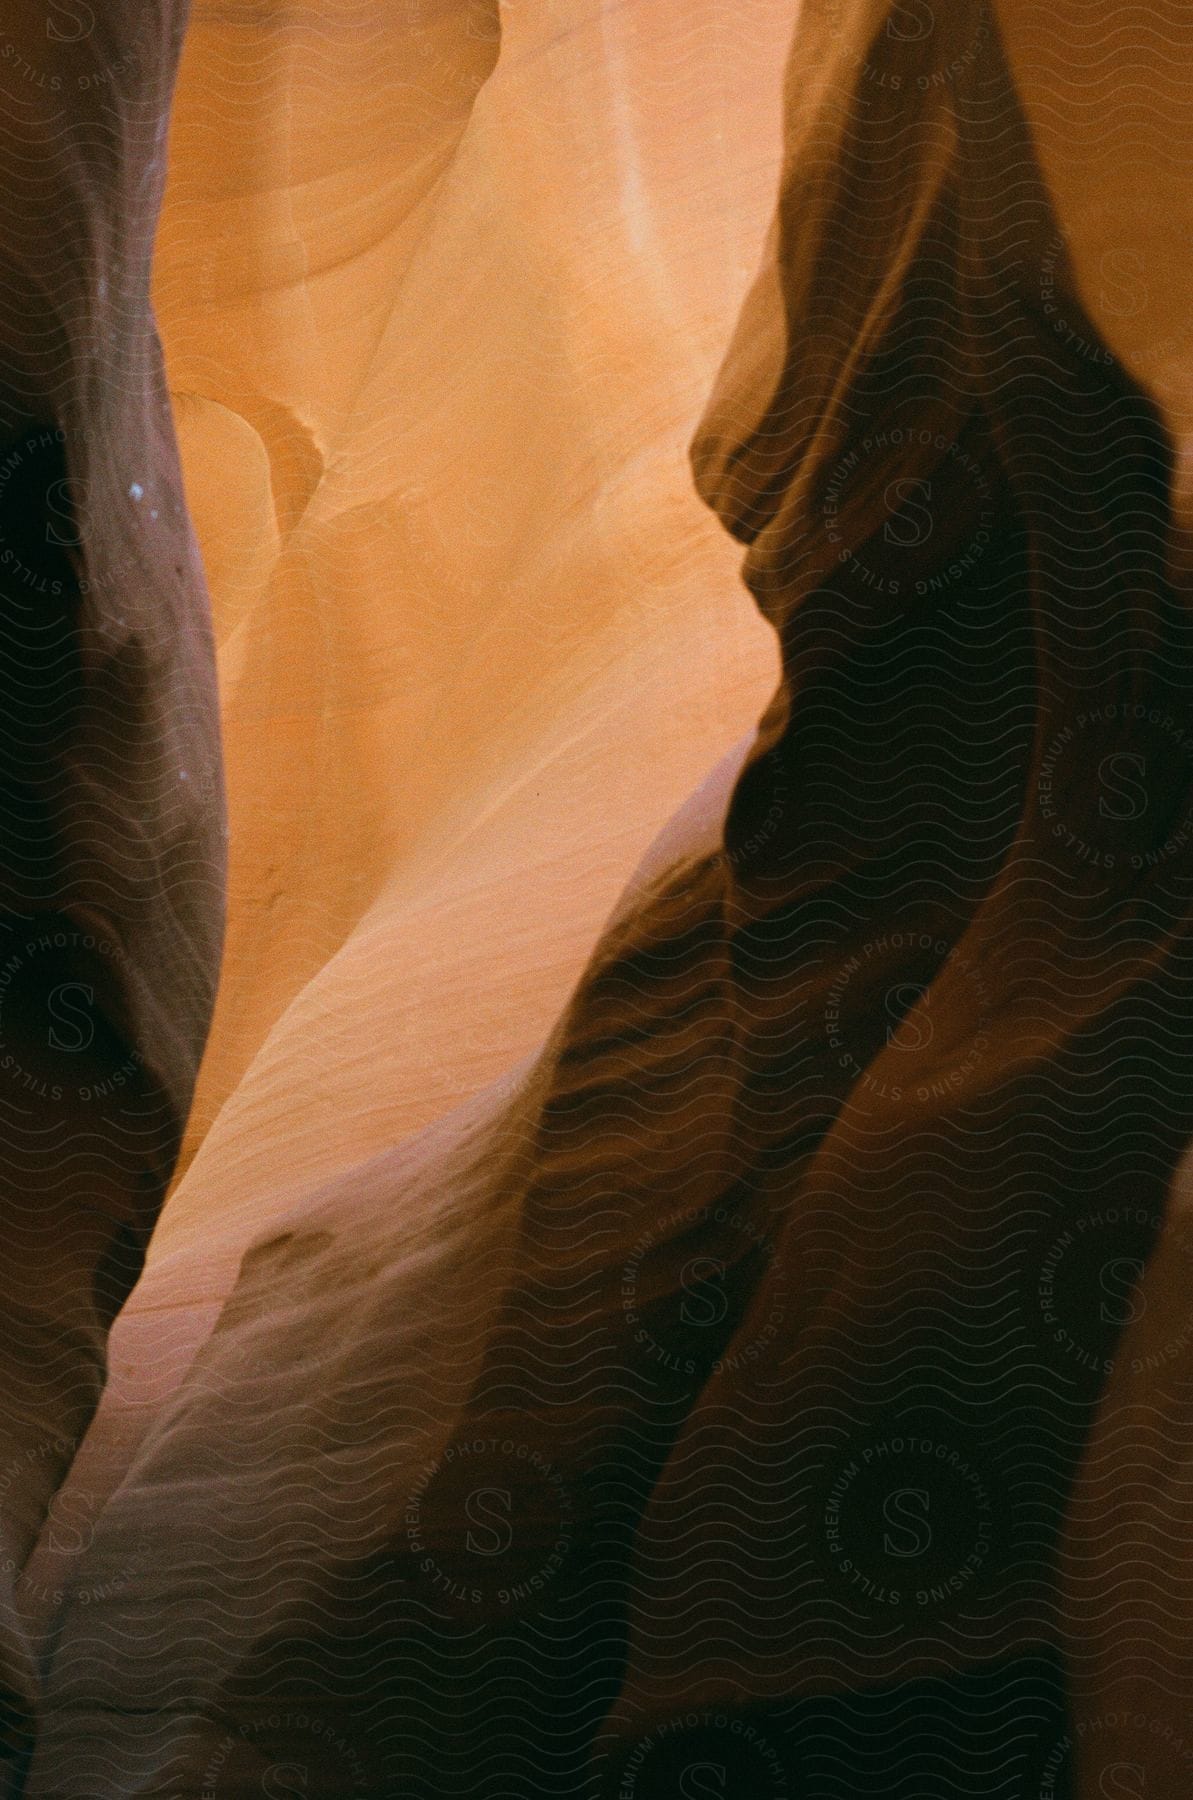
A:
[111, 820]
[695, 1408]
[701, 1405]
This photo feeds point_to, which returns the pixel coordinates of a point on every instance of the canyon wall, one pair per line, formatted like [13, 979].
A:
[693, 1399]
[113, 841]
[438, 334]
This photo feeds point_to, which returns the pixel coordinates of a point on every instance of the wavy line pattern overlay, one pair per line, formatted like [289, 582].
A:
[776, 1383]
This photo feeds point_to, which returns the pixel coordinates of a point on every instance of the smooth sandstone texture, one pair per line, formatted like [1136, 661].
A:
[434, 366]
[439, 329]
[688, 1408]
[111, 868]
[586, 1442]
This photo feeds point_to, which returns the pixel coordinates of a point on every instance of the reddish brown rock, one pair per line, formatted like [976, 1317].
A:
[111, 872]
[698, 1406]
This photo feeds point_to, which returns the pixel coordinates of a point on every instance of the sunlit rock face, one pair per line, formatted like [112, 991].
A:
[438, 330]
[435, 364]
[673, 1409]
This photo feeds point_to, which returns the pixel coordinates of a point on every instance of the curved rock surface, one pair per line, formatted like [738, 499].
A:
[685, 1408]
[451, 723]
[111, 872]
[455, 373]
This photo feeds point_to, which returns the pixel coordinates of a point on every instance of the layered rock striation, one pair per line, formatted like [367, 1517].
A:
[696, 1407]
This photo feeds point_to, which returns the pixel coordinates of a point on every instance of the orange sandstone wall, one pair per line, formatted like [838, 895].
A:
[443, 295]
[443, 289]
